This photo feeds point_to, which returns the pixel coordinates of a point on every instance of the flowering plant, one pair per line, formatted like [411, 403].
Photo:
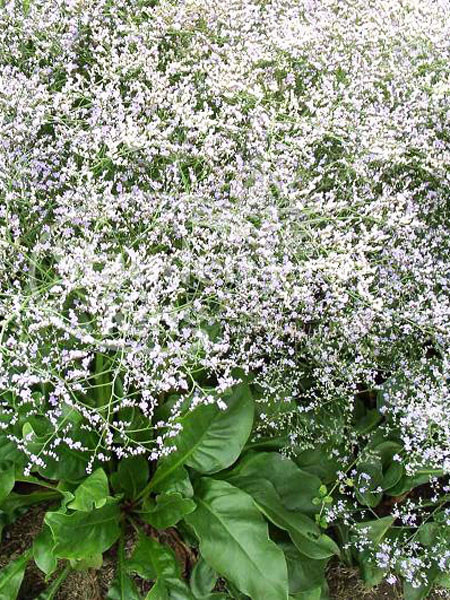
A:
[235, 213]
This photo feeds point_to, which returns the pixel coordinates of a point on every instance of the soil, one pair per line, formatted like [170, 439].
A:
[343, 581]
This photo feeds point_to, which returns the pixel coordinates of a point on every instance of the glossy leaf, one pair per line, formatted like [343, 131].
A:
[7, 478]
[296, 488]
[203, 578]
[93, 561]
[234, 540]
[375, 530]
[304, 573]
[131, 476]
[303, 531]
[151, 560]
[369, 480]
[167, 510]
[84, 534]
[318, 462]
[71, 463]
[11, 577]
[415, 593]
[92, 493]
[211, 439]
[177, 482]
[158, 591]
[370, 573]
[43, 551]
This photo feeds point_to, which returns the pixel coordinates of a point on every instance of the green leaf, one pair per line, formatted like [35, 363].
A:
[368, 422]
[303, 531]
[53, 588]
[296, 488]
[313, 594]
[158, 591]
[152, 560]
[304, 573]
[407, 483]
[392, 475]
[122, 587]
[375, 530]
[93, 561]
[415, 593]
[178, 482]
[131, 476]
[318, 462]
[203, 578]
[211, 438]
[71, 463]
[369, 479]
[43, 551]
[234, 540]
[11, 577]
[92, 493]
[81, 534]
[370, 573]
[167, 510]
[7, 478]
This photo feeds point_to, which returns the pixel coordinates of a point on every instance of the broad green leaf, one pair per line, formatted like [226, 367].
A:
[313, 594]
[211, 439]
[407, 483]
[167, 510]
[304, 573]
[203, 578]
[152, 560]
[177, 482]
[303, 531]
[71, 464]
[43, 551]
[11, 577]
[429, 532]
[7, 478]
[415, 593]
[370, 573]
[94, 561]
[10, 453]
[234, 540]
[123, 586]
[84, 534]
[178, 590]
[376, 529]
[158, 591]
[318, 462]
[443, 580]
[392, 475]
[52, 590]
[296, 488]
[92, 493]
[369, 480]
[368, 421]
[131, 476]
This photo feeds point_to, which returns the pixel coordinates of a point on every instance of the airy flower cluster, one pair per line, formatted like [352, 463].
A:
[194, 189]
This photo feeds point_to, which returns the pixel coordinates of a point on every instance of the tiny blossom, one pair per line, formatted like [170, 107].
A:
[199, 191]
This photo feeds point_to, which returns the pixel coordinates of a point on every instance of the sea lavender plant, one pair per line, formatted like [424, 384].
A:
[198, 193]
